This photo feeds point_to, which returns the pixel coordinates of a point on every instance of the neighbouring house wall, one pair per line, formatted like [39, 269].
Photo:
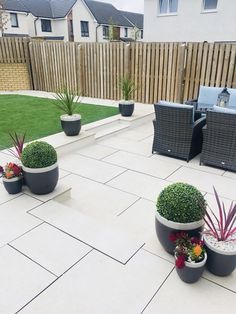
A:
[14, 76]
[190, 23]
[24, 20]
[59, 29]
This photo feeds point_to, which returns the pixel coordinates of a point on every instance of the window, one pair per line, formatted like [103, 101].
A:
[84, 25]
[105, 32]
[126, 32]
[14, 20]
[168, 6]
[209, 5]
[46, 25]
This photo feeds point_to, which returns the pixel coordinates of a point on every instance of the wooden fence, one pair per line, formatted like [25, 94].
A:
[169, 71]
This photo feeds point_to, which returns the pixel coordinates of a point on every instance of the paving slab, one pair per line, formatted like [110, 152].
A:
[4, 196]
[21, 280]
[14, 219]
[105, 238]
[204, 296]
[98, 284]
[51, 248]
[96, 151]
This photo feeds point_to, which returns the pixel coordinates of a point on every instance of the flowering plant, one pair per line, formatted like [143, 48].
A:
[10, 171]
[188, 249]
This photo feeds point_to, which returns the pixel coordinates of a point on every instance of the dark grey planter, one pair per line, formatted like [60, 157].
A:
[192, 272]
[14, 185]
[71, 125]
[126, 108]
[43, 180]
[165, 228]
[219, 263]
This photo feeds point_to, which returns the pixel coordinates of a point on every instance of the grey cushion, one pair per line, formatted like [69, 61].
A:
[232, 98]
[224, 110]
[208, 95]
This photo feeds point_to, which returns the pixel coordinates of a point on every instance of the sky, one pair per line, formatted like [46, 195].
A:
[127, 5]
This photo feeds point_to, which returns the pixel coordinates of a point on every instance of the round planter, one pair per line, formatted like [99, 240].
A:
[164, 229]
[126, 108]
[71, 125]
[191, 272]
[41, 180]
[220, 262]
[13, 185]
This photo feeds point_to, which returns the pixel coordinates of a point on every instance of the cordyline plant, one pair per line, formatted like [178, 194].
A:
[18, 143]
[127, 86]
[67, 101]
[223, 226]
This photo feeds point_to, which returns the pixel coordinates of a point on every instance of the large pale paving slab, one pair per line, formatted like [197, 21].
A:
[205, 181]
[108, 239]
[96, 199]
[156, 168]
[138, 133]
[20, 280]
[203, 296]
[100, 285]
[139, 184]
[96, 151]
[90, 168]
[14, 219]
[51, 248]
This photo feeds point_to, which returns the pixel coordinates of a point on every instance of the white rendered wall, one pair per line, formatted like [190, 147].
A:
[23, 22]
[190, 23]
[59, 29]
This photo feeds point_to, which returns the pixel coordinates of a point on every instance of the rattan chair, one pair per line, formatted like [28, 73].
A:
[175, 131]
[219, 145]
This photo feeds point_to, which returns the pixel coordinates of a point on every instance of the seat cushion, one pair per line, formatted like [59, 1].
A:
[208, 95]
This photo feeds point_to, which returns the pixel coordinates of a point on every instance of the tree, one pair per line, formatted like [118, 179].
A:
[3, 17]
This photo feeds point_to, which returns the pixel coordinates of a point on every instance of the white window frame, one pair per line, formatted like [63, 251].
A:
[209, 10]
[168, 9]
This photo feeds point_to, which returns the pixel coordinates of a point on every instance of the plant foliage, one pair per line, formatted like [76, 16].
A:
[39, 155]
[11, 170]
[67, 101]
[18, 143]
[127, 86]
[181, 202]
[221, 227]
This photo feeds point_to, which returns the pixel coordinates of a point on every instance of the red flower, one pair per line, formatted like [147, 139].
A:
[172, 237]
[16, 169]
[180, 261]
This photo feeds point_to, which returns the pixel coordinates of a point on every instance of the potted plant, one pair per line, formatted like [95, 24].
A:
[126, 106]
[190, 257]
[40, 168]
[67, 101]
[180, 207]
[220, 239]
[18, 141]
[12, 178]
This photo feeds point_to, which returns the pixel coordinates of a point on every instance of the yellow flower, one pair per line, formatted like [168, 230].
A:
[197, 250]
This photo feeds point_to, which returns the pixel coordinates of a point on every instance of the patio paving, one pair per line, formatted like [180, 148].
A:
[95, 250]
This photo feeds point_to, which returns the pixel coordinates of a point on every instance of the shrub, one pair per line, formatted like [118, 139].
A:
[38, 155]
[181, 202]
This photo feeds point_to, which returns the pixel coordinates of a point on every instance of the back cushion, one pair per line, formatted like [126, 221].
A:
[224, 110]
[209, 95]
[232, 98]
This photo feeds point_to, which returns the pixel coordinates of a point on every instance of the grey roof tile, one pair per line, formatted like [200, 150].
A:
[135, 18]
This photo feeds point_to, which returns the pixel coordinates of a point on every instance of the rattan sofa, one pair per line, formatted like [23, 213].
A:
[175, 131]
[219, 145]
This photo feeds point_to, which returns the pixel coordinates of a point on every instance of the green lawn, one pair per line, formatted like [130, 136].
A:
[39, 117]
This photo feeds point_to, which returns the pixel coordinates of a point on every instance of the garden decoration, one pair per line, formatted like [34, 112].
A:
[220, 238]
[126, 106]
[12, 178]
[180, 207]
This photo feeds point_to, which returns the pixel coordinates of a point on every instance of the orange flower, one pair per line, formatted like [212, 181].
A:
[9, 175]
[197, 250]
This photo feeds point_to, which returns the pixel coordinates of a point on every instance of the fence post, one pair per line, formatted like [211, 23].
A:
[80, 70]
[26, 43]
[127, 60]
[181, 70]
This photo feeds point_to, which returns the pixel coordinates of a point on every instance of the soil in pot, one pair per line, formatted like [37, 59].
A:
[126, 109]
[14, 185]
[71, 125]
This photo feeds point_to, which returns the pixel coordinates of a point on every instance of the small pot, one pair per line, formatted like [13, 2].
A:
[126, 108]
[164, 229]
[41, 180]
[191, 272]
[219, 263]
[71, 125]
[13, 185]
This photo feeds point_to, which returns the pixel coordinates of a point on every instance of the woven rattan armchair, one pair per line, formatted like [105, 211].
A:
[219, 145]
[175, 132]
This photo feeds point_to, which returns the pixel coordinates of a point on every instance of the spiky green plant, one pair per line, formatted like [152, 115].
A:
[67, 101]
[127, 87]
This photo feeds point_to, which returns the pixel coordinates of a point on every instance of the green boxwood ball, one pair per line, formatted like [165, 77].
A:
[39, 155]
[181, 202]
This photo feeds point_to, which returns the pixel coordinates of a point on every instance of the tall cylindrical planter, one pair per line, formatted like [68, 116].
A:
[71, 125]
[126, 108]
[220, 262]
[13, 185]
[41, 180]
[191, 272]
[165, 228]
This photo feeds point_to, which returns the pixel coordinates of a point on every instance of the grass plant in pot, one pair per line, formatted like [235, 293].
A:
[180, 207]
[126, 106]
[190, 257]
[40, 168]
[220, 239]
[12, 177]
[68, 101]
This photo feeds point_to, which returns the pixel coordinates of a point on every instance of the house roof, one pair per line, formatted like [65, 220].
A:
[41, 8]
[103, 13]
[135, 19]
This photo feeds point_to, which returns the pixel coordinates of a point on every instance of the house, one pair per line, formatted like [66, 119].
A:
[71, 20]
[189, 20]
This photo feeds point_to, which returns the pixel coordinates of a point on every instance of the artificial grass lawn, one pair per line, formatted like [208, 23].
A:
[39, 117]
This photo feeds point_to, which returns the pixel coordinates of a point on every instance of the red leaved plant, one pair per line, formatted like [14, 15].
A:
[18, 143]
[223, 226]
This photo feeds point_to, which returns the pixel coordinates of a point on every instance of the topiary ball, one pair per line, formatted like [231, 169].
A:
[39, 155]
[182, 203]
